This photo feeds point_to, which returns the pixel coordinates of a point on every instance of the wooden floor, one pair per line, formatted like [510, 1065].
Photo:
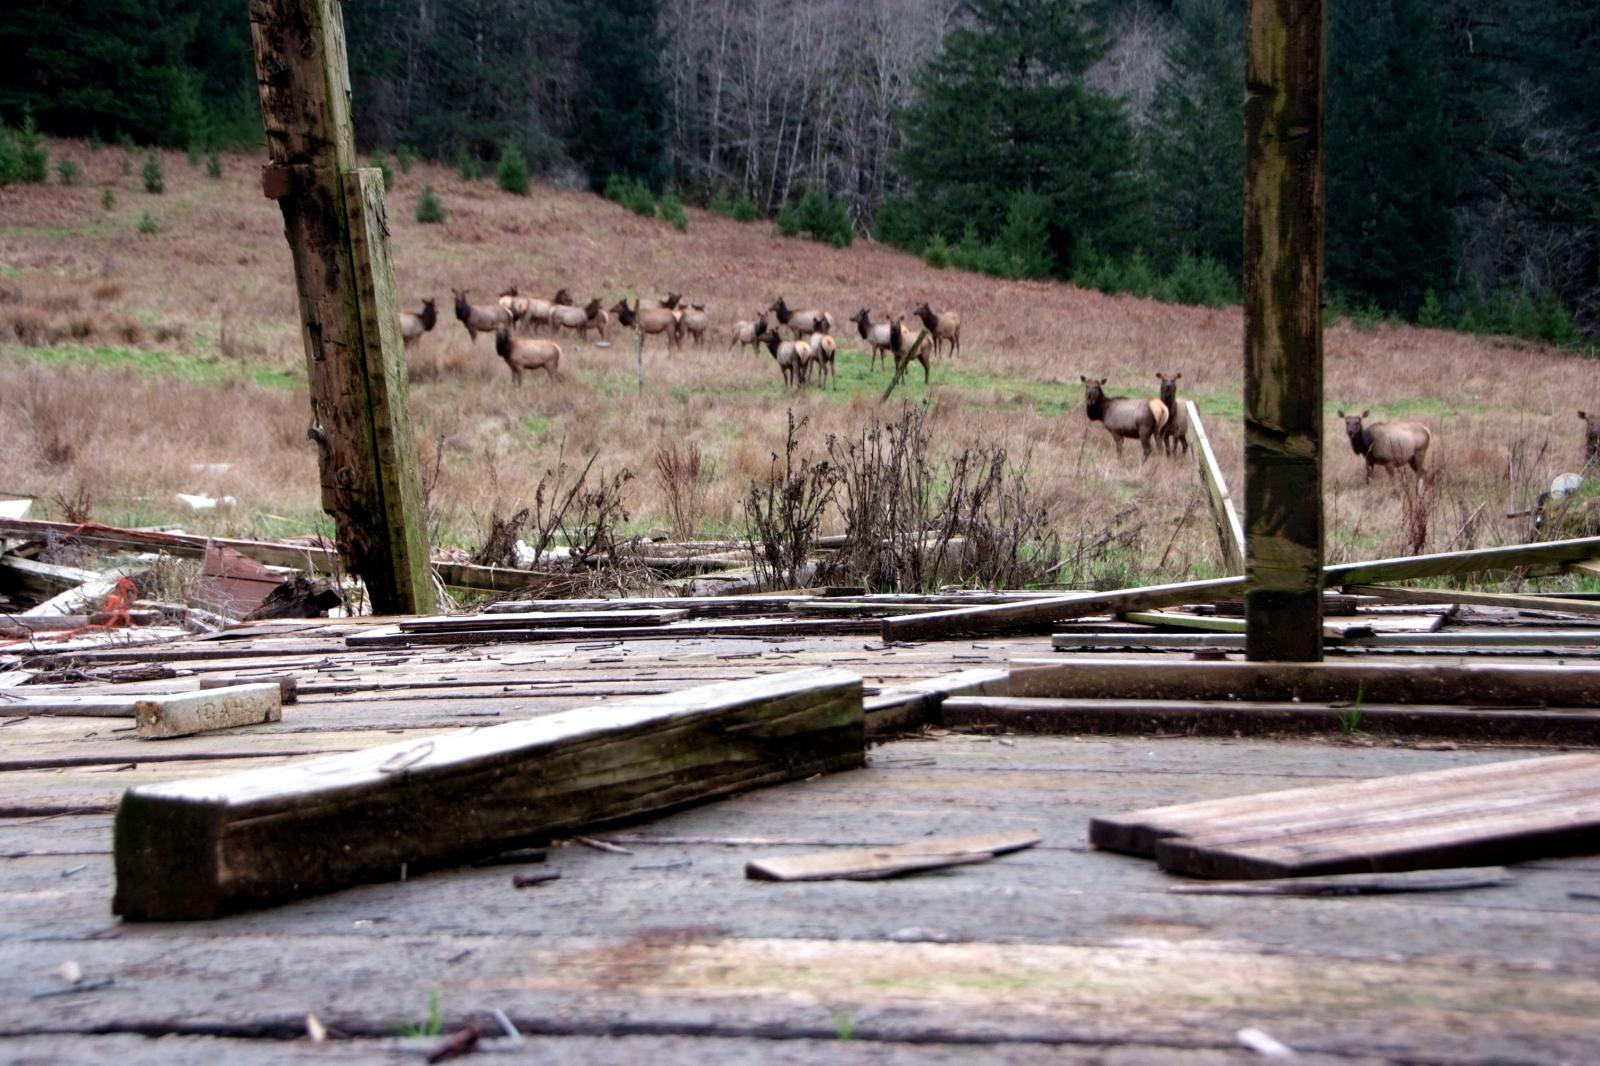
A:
[670, 955]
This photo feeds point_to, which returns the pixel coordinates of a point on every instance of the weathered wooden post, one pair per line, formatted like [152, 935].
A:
[1283, 242]
[333, 216]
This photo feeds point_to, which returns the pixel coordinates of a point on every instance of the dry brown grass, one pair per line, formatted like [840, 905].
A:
[215, 284]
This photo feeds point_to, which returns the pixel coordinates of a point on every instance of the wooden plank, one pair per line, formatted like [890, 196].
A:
[42, 580]
[908, 707]
[1474, 684]
[1230, 532]
[1036, 716]
[798, 627]
[539, 620]
[1400, 594]
[1362, 884]
[1486, 640]
[1587, 567]
[1283, 251]
[1001, 618]
[1264, 813]
[334, 221]
[184, 545]
[187, 713]
[875, 864]
[199, 849]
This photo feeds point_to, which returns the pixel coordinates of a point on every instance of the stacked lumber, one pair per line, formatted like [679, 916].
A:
[1477, 815]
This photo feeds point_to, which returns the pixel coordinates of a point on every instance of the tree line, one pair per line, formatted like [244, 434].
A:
[1096, 140]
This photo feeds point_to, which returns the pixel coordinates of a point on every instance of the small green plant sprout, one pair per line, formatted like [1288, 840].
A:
[108, 199]
[435, 1023]
[429, 208]
[147, 224]
[844, 1025]
[1350, 717]
[67, 171]
[214, 166]
[155, 181]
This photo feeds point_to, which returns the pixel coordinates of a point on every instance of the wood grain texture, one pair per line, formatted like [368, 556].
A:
[203, 848]
[1230, 532]
[876, 864]
[184, 714]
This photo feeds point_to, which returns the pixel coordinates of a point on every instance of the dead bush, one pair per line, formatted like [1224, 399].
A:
[783, 515]
[684, 476]
[76, 507]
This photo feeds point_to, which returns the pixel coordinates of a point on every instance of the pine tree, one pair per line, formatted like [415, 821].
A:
[620, 109]
[1006, 107]
[1194, 148]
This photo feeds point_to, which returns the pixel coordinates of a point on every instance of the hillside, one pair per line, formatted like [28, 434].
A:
[128, 359]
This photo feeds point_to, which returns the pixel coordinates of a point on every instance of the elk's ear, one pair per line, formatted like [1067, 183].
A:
[1364, 414]
[1178, 375]
[1341, 414]
[1583, 416]
[1083, 379]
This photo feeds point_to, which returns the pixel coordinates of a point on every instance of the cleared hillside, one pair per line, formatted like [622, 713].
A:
[130, 359]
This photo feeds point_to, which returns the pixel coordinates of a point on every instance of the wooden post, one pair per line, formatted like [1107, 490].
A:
[333, 216]
[638, 356]
[1283, 235]
[1230, 534]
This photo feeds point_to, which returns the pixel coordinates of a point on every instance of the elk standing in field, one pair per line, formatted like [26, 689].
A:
[412, 327]
[749, 333]
[1591, 436]
[792, 357]
[823, 351]
[1176, 431]
[1388, 444]
[478, 318]
[801, 323]
[651, 320]
[1123, 416]
[527, 353]
[695, 321]
[876, 336]
[565, 316]
[945, 326]
[903, 344]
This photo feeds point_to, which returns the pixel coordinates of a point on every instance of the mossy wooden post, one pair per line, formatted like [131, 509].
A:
[1283, 235]
[333, 217]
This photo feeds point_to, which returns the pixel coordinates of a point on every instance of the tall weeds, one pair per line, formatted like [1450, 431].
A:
[783, 515]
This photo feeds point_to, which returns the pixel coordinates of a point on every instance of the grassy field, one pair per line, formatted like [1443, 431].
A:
[129, 361]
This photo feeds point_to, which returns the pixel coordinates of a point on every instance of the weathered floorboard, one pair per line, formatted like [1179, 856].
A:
[199, 849]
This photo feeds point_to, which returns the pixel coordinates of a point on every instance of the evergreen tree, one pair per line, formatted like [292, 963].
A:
[1006, 107]
[1194, 148]
[620, 110]
[1391, 234]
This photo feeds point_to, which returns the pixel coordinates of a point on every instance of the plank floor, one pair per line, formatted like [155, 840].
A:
[671, 955]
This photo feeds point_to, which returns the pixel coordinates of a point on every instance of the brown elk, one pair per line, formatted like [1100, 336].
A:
[876, 336]
[823, 353]
[565, 316]
[695, 321]
[1176, 431]
[527, 353]
[801, 323]
[903, 344]
[1591, 436]
[651, 320]
[1388, 444]
[792, 357]
[945, 327]
[749, 333]
[479, 318]
[412, 327]
[1123, 417]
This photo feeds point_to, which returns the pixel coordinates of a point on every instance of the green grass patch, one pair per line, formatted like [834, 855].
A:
[190, 369]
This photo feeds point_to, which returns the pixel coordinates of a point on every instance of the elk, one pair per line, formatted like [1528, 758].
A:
[749, 333]
[514, 305]
[651, 320]
[695, 321]
[478, 318]
[1591, 436]
[564, 316]
[876, 336]
[527, 353]
[792, 357]
[823, 351]
[1176, 431]
[1123, 417]
[412, 327]
[802, 322]
[1388, 444]
[905, 347]
[945, 327]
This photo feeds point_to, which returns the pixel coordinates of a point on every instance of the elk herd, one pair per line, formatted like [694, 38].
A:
[523, 328]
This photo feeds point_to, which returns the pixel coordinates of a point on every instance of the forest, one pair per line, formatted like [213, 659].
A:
[1098, 141]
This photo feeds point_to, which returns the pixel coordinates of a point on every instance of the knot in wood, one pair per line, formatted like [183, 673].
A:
[346, 477]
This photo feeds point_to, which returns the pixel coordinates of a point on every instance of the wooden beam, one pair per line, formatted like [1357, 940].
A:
[1230, 533]
[183, 545]
[184, 714]
[1006, 617]
[1474, 684]
[333, 217]
[207, 847]
[1283, 259]
[1397, 594]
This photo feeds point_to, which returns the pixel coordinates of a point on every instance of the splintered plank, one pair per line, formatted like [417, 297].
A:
[187, 713]
[1497, 813]
[1357, 884]
[875, 864]
[1471, 684]
[203, 848]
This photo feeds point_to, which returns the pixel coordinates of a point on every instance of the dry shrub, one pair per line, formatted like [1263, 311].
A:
[784, 515]
[1417, 505]
[683, 476]
[57, 422]
[107, 291]
[76, 507]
